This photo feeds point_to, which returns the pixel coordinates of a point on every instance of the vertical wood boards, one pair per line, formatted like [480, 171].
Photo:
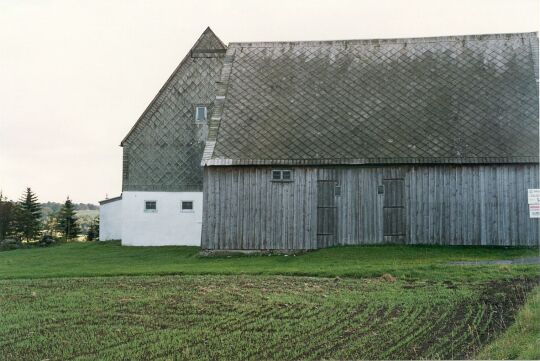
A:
[444, 204]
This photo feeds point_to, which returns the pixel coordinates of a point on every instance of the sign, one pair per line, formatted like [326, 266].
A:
[534, 196]
[534, 210]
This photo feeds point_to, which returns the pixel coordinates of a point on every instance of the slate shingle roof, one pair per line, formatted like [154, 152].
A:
[459, 99]
[163, 150]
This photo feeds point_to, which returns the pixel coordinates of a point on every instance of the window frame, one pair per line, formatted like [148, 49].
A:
[281, 179]
[182, 210]
[146, 210]
[205, 106]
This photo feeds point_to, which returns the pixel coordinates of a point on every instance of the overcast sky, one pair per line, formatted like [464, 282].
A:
[76, 75]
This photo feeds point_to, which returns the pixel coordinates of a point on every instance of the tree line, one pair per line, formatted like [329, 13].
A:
[23, 221]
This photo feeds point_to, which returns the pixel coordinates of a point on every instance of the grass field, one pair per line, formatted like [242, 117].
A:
[167, 303]
[411, 262]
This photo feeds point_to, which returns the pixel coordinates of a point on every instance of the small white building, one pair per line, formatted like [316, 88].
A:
[162, 177]
[152, 218]
[110, 219]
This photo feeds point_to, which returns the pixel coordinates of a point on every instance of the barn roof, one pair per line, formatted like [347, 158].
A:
[457, 99]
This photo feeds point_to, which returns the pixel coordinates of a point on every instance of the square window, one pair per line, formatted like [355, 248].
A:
[201, 113]
[150, 206]
[187, 206]
[276, 175]
[286, 175]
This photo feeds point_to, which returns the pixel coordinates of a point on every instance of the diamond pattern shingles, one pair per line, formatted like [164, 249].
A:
[451, 99]
[163, 150]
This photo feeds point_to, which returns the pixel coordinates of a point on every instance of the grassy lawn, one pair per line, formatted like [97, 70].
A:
[412, 262]
[103, 301]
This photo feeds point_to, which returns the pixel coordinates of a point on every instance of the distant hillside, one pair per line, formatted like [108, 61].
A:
[53, 207]
[86, 213]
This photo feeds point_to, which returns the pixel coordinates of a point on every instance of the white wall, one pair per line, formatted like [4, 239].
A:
[110, 220]
[167, 226]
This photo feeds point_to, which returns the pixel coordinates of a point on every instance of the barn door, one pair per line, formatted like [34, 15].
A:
[394, 210]
[326, 213]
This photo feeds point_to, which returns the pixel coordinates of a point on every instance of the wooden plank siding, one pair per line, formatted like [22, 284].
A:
[444, 204]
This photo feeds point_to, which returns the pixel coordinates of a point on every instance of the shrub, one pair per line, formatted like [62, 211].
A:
[46, 241]
[9, 244]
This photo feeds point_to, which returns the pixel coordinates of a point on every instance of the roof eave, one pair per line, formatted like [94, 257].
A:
[371, 161]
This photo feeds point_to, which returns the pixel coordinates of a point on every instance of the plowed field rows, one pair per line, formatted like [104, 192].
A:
[252, 317]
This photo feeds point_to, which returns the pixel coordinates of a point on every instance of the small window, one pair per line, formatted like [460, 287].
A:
[282, 175]
[150, 206]
[200, 113]
[187, 206]
[286, 175]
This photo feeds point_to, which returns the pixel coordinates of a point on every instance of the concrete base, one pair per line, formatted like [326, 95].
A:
[252, 252]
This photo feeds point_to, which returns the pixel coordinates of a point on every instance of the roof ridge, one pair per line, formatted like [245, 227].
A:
[427, 39]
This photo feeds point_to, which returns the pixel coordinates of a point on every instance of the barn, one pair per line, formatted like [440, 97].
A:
[407, 141]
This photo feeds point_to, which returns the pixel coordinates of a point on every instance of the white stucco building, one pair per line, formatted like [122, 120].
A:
[152, 218]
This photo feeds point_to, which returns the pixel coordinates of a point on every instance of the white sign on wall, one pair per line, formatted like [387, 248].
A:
[534, 210]
[534, 196]
[534, 203]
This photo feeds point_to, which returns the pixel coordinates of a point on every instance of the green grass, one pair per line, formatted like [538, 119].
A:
[411, 262]
[103, 301]
[522, 339]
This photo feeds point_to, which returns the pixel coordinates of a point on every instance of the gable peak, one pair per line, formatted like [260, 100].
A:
[208, 40]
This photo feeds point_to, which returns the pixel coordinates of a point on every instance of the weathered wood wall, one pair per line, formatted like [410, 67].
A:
[454, 205]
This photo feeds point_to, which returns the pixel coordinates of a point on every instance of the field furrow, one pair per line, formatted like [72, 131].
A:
[251, 318]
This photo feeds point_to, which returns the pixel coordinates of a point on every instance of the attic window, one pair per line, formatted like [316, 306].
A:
[201, 113]
[282, 176]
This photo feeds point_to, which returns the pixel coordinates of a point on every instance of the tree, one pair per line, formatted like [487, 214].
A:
[7, 217]
[93, 230]
[28, 216]
[67, 221]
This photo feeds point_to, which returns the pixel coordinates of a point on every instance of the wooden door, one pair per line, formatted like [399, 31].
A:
[326, 213]
[394, 222]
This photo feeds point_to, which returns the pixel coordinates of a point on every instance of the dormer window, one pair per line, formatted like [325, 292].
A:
[201, 113]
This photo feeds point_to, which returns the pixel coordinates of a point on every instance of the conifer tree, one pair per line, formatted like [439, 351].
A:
[28, 216]
[67, 221]
[93, 230]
